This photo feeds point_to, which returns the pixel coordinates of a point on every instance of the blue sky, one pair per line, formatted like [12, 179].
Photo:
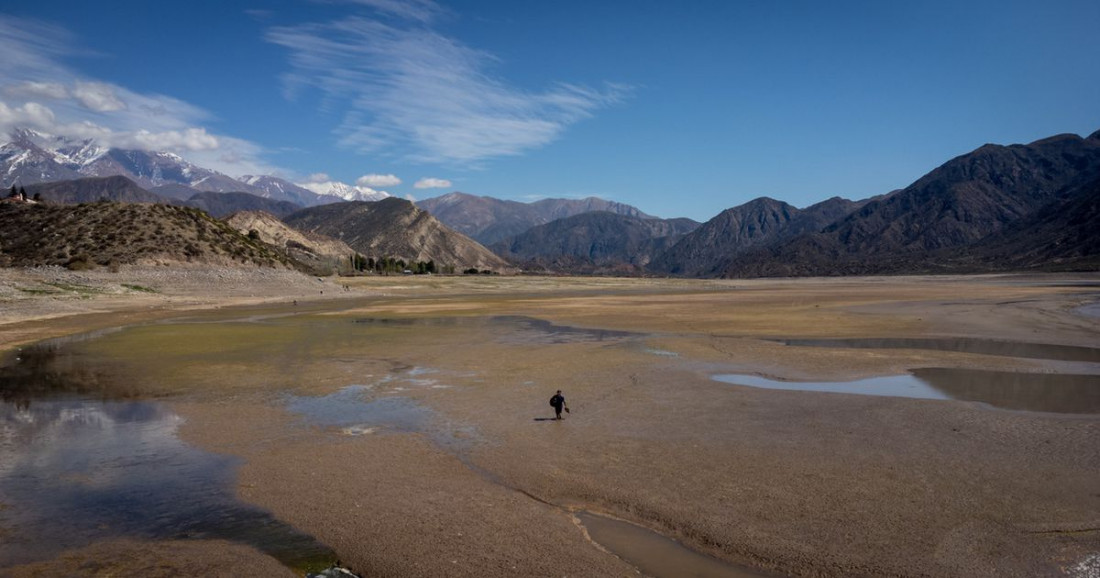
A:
[679, 108]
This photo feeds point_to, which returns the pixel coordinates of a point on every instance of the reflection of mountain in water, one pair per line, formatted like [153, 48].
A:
[1047, 392]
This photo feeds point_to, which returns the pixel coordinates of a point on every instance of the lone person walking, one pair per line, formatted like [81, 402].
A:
[558, 401]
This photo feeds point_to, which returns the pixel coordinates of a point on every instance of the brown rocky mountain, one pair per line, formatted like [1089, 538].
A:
[91, 189]
[1061, 236]
[107, 234]
[488, 220]
[760, 222]
[396, 228]
[594, 242]
[175, 191]
[224, 204]
[122, 189]
[962, 207]
[319, 253]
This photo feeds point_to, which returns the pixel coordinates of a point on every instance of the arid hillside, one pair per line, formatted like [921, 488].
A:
[318, 252]
[396, 228]
[106, 234]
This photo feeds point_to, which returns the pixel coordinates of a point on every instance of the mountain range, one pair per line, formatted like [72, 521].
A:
[760, 222]
[594, 242]
[997, 208]
[977, 212]
[122, 189]
[488, 220]
[31, 157]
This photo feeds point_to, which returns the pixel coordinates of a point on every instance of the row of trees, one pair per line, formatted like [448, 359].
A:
[391, 265]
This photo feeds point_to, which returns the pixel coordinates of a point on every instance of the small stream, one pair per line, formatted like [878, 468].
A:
[654, 554]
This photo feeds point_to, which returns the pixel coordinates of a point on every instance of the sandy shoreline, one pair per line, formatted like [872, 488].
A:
[810, 485]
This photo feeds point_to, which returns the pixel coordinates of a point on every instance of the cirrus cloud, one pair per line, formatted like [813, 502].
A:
[412, 92]
[98, 96]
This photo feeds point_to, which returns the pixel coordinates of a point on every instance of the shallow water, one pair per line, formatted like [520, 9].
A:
[75, 470]
[1090, 310]
[889, 385]
[963, 345]
[1037, 392]
[352, 406]
[656, 555]
[512, 329]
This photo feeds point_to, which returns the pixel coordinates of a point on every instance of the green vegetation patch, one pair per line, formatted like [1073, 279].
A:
[75, 288]
[139, 288]
[30, 291]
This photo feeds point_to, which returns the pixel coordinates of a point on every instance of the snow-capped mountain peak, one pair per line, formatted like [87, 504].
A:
[345, 191]
[30, 156]
[62, 150]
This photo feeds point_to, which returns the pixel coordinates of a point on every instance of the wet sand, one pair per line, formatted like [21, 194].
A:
[799, 483]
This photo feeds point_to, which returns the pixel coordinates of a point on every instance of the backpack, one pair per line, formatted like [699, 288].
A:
[553, 399]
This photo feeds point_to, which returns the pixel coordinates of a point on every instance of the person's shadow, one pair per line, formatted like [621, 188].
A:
[546, 419]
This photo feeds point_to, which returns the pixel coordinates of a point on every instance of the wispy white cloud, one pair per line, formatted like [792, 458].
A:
[432, 183]
[412, 92]
[419, 10]
[374, 180]
[38, 91]
[98, 97]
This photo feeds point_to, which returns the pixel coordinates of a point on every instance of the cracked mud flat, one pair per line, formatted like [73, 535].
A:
[789, 482]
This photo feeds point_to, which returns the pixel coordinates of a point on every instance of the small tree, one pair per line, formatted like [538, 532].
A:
[14, 192]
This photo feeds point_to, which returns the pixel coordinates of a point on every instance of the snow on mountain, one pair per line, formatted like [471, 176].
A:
[31, 157]
[34, 157]
[345, 191]
[27, 159]
[284, 190]
[62, 150]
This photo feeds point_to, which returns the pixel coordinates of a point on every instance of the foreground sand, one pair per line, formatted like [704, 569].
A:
[801, 484]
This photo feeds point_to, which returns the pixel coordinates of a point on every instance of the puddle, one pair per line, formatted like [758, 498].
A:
[360, 410]
[1037, 392]
[79, 463]
[76, 471]
[1090, 310]
[962, 345]
[352, 409]
[656, 555]
[890, 385]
